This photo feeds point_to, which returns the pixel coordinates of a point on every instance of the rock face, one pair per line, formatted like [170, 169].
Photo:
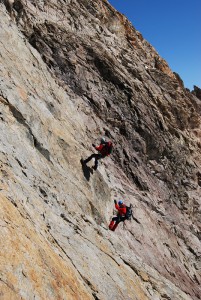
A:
[71, 72]
[197, 92]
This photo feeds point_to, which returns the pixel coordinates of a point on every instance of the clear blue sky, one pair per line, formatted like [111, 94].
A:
[173, 28]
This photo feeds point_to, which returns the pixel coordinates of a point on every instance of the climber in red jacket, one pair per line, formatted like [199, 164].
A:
[104, 149]
[121, 215]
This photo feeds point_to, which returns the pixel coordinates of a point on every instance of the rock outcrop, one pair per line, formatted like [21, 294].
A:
[70, 72]
[197, 92]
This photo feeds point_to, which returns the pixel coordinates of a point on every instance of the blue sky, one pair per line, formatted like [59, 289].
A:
[173, 28]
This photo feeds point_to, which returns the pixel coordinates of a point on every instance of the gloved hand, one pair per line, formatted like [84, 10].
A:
[94, 145]
[115, 201]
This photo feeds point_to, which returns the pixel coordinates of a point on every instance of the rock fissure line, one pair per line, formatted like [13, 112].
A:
[19, 117]
[8, 285]
[87, 282]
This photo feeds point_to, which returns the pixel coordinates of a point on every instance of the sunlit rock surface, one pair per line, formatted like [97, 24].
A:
[71, 72]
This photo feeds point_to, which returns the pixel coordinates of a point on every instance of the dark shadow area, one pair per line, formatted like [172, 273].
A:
[87, 171]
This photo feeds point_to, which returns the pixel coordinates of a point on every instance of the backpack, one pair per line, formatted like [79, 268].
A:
[109, 147]
[129, 212]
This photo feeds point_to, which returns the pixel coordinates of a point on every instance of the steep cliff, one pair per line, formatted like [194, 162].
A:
[70, 72]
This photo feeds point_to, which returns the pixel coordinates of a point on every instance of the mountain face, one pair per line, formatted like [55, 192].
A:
[72, 71]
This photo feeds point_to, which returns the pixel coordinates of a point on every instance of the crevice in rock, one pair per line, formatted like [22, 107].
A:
[20, 164]
[101, 250]
[192, 251]
[86, 281]
[85, 238]
[135, 270]
[141, 185]
[24, 173]
[19, 117]
[75, 226]
[154, 208]
[137, 221]
[95, 296]
[95, 213]
[43, 192]
[166, 297]
[40, 148]
[8, 285]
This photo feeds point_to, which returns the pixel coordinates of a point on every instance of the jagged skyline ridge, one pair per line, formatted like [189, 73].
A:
[173, 28]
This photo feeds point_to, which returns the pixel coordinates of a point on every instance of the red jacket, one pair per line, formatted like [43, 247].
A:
[121, 209]
[103, 149]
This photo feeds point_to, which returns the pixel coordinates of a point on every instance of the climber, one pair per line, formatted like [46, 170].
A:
[121, 215]
[104, 149]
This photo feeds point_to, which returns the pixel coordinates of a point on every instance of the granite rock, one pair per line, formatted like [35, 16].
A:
[71, 72]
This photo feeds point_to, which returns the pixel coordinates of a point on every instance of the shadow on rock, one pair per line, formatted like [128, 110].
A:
[87, 171]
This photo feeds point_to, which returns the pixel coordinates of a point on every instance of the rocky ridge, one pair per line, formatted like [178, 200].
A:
[72, 71]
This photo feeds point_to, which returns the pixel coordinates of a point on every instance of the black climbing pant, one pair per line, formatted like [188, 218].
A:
[97, 156]
[119, 219]
[115, 222]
